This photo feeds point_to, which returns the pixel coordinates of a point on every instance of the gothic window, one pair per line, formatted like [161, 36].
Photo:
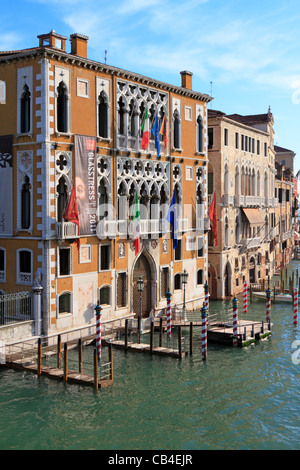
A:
[62, 112]
[62, 198]
[103, 200]
[25, 110]
[132, 119]
[176, 130]
[152, 115]
[121, 117]
[103, 116]
[26, 204]
[200, 131]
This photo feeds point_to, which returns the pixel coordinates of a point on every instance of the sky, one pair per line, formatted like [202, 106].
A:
[246, 55]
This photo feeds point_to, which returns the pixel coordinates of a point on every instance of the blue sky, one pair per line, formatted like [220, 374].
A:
[250, 51]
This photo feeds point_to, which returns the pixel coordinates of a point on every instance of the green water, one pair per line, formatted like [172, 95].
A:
[238, 399]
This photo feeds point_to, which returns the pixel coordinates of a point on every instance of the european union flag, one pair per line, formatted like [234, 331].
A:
[155, 132]
[172, 218]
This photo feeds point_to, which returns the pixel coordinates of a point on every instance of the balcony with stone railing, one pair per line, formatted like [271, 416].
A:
[66, 230]
[250, 243]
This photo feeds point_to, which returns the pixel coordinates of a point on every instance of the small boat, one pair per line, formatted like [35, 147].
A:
[279, 297]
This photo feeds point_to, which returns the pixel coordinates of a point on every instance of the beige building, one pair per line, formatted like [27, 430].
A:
[284, 157]
[241, 171]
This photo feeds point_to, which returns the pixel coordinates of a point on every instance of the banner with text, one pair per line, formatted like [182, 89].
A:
[86, 183]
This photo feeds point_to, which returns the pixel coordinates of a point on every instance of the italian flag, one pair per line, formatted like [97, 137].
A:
[146, 131]
[136, 226]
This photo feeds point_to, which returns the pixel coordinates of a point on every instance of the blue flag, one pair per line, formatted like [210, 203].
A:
[172, 218]
[155, 132]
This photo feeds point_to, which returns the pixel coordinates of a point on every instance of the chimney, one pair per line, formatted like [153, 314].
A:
[186, 79]
[79, 44]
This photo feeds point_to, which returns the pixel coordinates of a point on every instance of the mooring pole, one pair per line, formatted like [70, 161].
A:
[245, 297]
[80, 356]
[65, 362]
[295, 305]
[96, 369]
[235, 321]
[58, 351]
[126, 333]
[39, 366]
[268, 306]
[169, 320]
[98, 309]
[204, 332]
[160, 331]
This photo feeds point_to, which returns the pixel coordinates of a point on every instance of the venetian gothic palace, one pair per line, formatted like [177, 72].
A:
[71, 129]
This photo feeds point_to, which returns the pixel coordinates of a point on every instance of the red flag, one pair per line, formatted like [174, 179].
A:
[163, 131]
[213, 217]
[72, 214]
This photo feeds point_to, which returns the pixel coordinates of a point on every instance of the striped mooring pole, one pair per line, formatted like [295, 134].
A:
[235, 320]
[206, 290]
[204, 331]
[98, 309]
[295, 305]
[245, 296]
[268, 305]
[169, 325]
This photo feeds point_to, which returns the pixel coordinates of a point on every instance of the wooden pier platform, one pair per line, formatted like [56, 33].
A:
[248, 332]
[58, 374]
[146, 348]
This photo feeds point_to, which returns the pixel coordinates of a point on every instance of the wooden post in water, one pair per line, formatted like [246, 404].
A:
[39, 364]
[95, 369]
[151, 336]
[160, 331]
[65, 362]
[250, 293]
[179, 342]
[139, 328]
[58, 351]
[80, 356]
[126, 333]
[110, 359]
[204, 332]
[191, 338]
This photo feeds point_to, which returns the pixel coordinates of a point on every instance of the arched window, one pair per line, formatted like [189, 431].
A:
[200, 131]
[26, 204]
[24, 266]
[200, 276]
[176, 130]
[64, 303]
[103, 200]
[103, 116]
[132, 119]
[104, 295]
[177, 281]
[121, 117]
[62, 192]
[25, 110]
[226, 234]
[62, 111]
[237, 230]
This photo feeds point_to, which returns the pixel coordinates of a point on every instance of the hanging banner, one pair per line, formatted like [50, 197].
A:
[6, 181]
[86, 183]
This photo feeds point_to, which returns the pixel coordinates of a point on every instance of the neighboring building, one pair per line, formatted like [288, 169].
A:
[285, 215]
[241, 171]
[284, 157]
[52, 103]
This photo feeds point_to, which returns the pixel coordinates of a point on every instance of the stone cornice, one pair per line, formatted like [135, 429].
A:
[99, 67]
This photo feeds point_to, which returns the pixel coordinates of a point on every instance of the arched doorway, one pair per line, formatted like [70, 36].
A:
[227, 280]
[142, 268]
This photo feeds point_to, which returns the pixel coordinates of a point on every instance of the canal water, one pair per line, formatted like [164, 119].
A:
[238, 399]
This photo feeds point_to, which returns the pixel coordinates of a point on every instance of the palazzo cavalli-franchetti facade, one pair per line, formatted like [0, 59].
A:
[51, 99]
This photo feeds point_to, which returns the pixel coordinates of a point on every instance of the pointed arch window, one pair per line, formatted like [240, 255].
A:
[62, 192]
[200, 131]
[62, 108]
[103, 116]
[26, 204]
[25, 110]
[176, 130]
[132, 119]
[103, 200]
[121, 117]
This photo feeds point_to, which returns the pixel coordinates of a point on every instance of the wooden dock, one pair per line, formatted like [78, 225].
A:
[248, 332]
[146, 348]
[32, 362]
